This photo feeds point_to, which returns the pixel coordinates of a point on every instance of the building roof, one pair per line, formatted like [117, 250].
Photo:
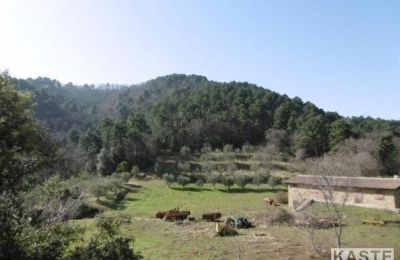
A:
[354, 182]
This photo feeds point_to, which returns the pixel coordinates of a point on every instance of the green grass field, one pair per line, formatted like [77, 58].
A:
[158, 239]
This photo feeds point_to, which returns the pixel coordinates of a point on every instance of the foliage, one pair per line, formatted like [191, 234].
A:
[228, 148]
[387, 153]
[183, 180]
[185, 150]
[135, 170]
[241, 180]
[169, 179]
[107, 243]
[213, 178]
[276, 216]
[122, 167]
[257, 180]
[274, 180]
[228, 181]
[199, 183]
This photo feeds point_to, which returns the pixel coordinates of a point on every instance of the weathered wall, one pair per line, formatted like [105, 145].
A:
[370, 198]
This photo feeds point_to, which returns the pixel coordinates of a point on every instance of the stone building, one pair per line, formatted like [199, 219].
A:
[382, 193]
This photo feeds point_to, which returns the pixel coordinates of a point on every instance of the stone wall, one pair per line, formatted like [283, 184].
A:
[370, 198]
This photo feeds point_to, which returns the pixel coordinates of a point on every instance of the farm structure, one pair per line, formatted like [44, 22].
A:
[380, 193]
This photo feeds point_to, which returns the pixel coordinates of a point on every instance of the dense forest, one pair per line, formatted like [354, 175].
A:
[103, 126]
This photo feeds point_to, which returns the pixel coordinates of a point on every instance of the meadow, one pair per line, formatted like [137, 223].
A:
[158, 239]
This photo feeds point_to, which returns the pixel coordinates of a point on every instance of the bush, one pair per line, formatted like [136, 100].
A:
[115, 248]
[276, 216]
[246, 148]
[206, 148]
[98, 188]
[184, 166]
[107, 242]
[113, 184]
[120, 195]
[228, 148]
[231, 167]
[229, 156]
[207, 157]
[200, 184]
[257, 180]
[126, 176]
[135, 170]
[228, 181]
[208, 167]
[183, 180]
[274, 180]
[213, 178]
[122, 167]
[281, 197]
[169, 179]
[86, 210]
[241, 180]
[185, 150]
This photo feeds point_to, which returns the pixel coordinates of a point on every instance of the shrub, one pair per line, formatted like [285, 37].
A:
[241, 180]
[213, 178]
[257, 180]
[246, 148]
[274, 180]
[107, 243]
[98, 188]
[231, 167]
[120, 195]
[200, 184]
[228, 148]
[229, 156]
[207, 157]
[182, 180]
[169, 179]
[228, 181]
[184, 166]
[135, 170]
[185, 150]
[206, 149]
[126, 176]
[122, 167]
[276, 216]
[86, 210]
[115, 248]
[208, 167]
[113, 184]
[281, 197]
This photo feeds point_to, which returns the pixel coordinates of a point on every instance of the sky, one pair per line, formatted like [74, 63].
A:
[343, 56]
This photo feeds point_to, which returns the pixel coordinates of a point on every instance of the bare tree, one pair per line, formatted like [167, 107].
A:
[332, 177]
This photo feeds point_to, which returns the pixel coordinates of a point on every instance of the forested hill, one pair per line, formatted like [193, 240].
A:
[166, 113]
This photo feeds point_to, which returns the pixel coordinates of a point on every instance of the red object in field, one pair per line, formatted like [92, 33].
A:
[211, 216]
[173, 214]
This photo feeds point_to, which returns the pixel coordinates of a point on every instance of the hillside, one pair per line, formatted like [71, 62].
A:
[137, 123]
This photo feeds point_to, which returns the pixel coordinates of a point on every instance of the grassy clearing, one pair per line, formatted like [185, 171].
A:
[155, 196]
[162, 240]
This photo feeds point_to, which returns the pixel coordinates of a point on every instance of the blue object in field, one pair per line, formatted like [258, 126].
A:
[238, 220]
